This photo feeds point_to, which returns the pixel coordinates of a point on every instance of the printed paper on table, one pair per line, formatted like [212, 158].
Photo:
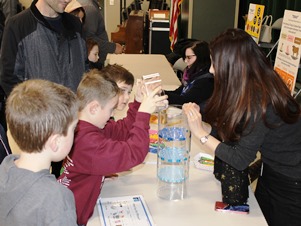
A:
[124, 211]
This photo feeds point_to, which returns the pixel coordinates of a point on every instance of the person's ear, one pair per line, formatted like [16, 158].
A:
[93, 107]
[54, 142]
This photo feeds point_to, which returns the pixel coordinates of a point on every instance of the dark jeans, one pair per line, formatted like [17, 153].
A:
[279, 198]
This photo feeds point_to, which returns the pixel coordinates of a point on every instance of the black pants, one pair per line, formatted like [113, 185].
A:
[279, 198]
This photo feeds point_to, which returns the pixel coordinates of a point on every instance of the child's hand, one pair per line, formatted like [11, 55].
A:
[153, 101]
[139, 91]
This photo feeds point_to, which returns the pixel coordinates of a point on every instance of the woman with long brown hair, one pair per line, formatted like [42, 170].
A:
[251, 110]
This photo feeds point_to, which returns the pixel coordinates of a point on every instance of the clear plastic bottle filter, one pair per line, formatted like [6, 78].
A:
[173, 154]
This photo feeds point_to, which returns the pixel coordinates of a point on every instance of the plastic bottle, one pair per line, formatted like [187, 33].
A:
[173, 154]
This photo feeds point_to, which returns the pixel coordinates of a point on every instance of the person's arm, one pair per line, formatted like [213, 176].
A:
[126, 123]
[173, 94]
[9, 51]
[9, 8]
[200, 91]
[111, 155]
[239, 155]
[120, 129]
[94, 27]
[149, 103]
[119, 155]
[244, 151]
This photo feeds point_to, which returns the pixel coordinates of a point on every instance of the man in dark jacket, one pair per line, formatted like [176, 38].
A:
[43, 42]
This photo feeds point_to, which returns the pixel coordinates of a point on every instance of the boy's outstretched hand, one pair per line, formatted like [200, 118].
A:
[153, 101]
[140, 90]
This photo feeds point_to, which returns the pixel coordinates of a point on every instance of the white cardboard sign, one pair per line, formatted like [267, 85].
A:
[288, 53]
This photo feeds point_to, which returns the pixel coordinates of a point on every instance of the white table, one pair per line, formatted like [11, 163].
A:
[203, 189]
[196, 209]
[144, 64]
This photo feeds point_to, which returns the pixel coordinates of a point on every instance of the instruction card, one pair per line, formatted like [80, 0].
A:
[124, 211]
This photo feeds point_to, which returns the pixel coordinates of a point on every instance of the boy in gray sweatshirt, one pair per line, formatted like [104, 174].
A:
[41, 117]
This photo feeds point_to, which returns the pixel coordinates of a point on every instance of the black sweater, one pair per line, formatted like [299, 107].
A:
[200, 90]
[280, 147]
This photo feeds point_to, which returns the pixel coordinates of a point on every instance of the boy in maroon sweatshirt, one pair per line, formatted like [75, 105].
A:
[103, 146]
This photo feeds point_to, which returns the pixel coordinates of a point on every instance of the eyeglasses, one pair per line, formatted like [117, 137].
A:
[188, 57]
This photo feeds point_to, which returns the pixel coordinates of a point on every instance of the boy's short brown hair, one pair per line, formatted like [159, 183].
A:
[95, 86]
[37, 109]
[118, 73]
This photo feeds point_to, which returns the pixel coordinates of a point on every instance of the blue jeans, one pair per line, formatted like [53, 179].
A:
[279, 198]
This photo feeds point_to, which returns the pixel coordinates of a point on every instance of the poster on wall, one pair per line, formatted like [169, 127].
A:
[254, 21]
[288, 53]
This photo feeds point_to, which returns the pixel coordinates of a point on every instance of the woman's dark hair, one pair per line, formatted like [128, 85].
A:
[203, 62]
[244, 85]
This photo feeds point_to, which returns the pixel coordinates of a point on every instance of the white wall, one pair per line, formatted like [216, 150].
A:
[112, 15]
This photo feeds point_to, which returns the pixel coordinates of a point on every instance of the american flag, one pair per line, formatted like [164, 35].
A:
[175, 11]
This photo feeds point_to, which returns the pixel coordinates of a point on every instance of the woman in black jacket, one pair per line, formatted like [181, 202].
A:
[197, 82]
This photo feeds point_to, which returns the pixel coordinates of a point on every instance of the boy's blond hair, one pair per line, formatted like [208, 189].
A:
[94, 86]
[37, 109]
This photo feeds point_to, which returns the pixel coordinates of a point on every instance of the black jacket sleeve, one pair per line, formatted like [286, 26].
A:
[4, 147]
[9, 50]
[200, 91]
